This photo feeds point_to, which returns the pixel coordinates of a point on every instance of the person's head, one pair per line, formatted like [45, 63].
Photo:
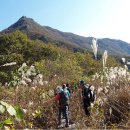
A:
[64, 86]
[81, 83]
[59, 89]
[67, 85]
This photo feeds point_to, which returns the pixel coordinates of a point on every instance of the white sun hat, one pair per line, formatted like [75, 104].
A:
[59, 89]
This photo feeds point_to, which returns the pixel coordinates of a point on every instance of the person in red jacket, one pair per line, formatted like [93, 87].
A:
[62, 99]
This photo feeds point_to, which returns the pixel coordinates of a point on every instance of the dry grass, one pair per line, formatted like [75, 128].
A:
[42, 112]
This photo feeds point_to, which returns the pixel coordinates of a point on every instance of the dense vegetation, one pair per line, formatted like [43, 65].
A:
[58, 66]
[49, 59]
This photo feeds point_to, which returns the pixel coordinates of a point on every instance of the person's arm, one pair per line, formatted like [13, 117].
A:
[84, 94]
[68, 93]
[69, 90]
[94, 96]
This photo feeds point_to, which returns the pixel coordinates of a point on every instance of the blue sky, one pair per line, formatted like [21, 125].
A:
[97, 18]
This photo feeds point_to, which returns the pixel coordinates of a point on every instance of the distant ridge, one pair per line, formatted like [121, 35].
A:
[48, 34]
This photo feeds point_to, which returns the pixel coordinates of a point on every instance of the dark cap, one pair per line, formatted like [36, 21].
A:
[81, 82]
[63, 86]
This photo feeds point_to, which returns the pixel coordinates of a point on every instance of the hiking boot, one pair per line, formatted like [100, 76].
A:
[66, 125]
[60, 126]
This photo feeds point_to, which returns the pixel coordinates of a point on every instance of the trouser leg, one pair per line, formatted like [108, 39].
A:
[65, 111]
[86, 109]
[59, 116]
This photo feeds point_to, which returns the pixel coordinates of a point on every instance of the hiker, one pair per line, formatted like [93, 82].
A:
[62, 99]
[68, 88]
[88, 96]
[65, 89]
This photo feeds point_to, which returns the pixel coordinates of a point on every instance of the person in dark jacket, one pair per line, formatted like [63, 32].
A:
[63, 106]
[88, 96]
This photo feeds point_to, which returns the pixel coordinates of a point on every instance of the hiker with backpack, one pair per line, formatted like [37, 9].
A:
[88, 96]
[63, 102]
[66, 90]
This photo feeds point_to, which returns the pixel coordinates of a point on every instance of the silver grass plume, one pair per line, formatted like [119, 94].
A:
[9, 64]
[123, 60]
[104, 58]
[94, 47]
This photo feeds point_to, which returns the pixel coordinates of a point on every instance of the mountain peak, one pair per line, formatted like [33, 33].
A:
[23, 24]
[24, 18]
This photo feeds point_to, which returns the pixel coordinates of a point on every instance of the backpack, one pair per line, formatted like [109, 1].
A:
[64, 99]
[88, 94]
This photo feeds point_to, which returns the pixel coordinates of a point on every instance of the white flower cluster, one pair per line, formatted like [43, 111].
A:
[113, 75]
[27, 76]
[125, 61]
[51, 93]
[38, 80]
[25, 73]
